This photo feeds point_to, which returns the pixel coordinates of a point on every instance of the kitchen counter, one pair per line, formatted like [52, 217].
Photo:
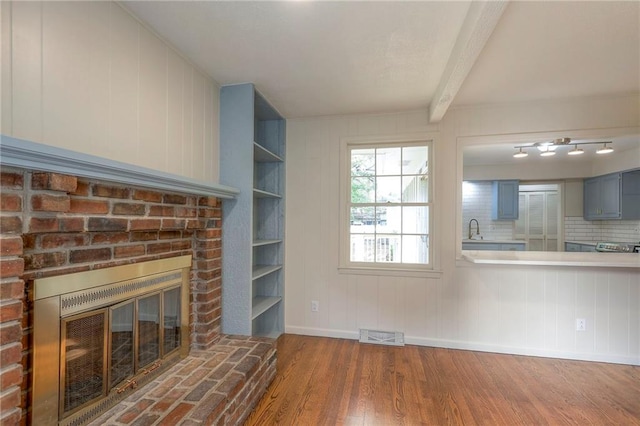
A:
[600, 260]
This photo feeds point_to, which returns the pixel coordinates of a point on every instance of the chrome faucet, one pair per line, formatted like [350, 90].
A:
[477, 228]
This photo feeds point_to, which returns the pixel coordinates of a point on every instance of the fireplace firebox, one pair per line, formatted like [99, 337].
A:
[99, 334]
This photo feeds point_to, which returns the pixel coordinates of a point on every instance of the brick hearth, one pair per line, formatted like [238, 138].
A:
[217, 386]
[53, 224]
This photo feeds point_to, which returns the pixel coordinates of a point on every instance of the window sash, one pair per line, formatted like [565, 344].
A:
[377, 238]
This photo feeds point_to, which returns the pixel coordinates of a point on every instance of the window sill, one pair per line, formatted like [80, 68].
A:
[412, 273]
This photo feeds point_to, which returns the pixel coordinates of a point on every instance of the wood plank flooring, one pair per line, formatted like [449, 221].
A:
[323, 381]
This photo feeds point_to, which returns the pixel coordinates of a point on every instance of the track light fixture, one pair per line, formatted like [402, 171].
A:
[520, 154]
[576, 151]
[548, 148]
[605, 149]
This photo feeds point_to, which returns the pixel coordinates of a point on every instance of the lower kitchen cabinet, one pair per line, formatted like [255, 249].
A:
[496, 246]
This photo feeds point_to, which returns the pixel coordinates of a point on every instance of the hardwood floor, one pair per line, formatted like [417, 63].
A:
[323, 381]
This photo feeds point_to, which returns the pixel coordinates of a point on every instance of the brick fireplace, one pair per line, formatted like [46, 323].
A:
[54, 224]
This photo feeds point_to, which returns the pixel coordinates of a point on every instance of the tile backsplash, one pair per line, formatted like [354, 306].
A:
[624, 231]
[476, 204]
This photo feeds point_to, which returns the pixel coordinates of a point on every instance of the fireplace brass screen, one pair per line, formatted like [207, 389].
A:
[98, 334]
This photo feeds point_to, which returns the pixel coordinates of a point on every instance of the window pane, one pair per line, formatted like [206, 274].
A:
[388, 248]
[415, 189]
[388, 189]
[415, 220]
[415, 248]
[363, 162]
[362, 248]
[414, 160]
[363, 220]
[388, 161]
[362, 190]
[388, 220]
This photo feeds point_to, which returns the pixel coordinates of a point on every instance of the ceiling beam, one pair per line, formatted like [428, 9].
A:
[481, 19]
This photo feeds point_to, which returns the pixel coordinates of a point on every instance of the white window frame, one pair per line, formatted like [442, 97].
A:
[380, 268]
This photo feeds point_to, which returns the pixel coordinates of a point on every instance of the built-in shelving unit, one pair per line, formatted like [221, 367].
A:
[252, 148]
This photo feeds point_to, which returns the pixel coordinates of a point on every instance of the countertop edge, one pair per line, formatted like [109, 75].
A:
[593, 260]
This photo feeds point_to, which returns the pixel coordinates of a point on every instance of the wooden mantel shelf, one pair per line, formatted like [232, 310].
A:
[35, 156]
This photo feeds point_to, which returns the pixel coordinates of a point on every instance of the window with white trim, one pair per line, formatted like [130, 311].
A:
[389, 204]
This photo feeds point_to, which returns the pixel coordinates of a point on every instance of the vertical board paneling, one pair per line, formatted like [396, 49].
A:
[634, 320]
[153, 101]
[352, 302]
[295, 230]
[6, 58]
[416, 307]
[585, 308]
[566, 310]
[99, 79]
[87, 76]
[388, 288]
[123, 108]
[197, 143]
[26, 70]
[468, 312]
[211, 143]
[513, 318]
[337, 302]
[602, 310]
[619, 319]
[367, 301]
[175, 112]
[187, 121]
[489, 306]
[535, 308]
[65, 73]
[551, 310]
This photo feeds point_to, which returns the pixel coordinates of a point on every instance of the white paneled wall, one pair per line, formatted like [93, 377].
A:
[514, 309]
[87, 76]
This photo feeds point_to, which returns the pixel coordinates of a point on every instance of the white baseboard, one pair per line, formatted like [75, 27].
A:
[475, 346]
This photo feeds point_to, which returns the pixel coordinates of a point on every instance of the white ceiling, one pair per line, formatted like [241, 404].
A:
[327, 58]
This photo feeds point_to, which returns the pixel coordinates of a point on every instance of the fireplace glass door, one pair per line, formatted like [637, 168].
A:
[84, 356]
[104, 348]
[122, 342]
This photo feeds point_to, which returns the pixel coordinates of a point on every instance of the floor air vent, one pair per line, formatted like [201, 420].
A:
[391, 338]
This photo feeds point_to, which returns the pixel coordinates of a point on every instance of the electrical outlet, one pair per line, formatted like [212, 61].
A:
[581, 324]
[315, 306]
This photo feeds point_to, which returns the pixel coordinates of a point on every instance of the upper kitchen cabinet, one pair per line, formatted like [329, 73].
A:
[252, 149]
[505, 200]
[612, 196]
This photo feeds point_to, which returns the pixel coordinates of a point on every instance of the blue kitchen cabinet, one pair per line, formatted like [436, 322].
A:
[505, 200]
[612, 196]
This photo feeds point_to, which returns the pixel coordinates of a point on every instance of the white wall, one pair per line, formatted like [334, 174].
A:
[526, 310]
[87, 76]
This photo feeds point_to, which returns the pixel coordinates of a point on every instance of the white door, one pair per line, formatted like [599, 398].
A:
[539, 220]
